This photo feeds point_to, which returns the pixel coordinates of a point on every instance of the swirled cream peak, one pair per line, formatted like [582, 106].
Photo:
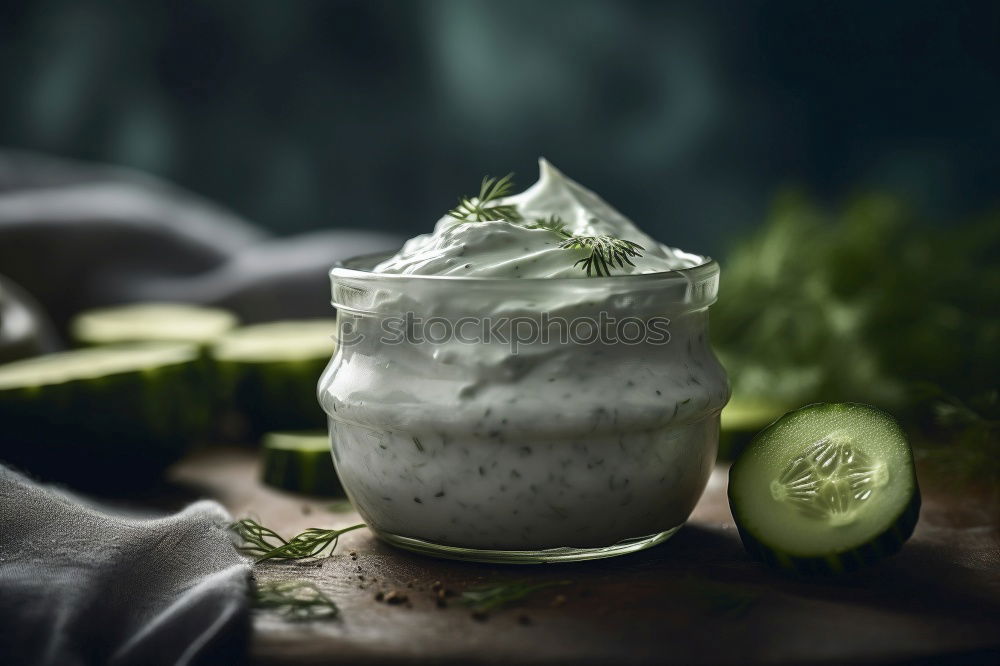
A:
[505, 249]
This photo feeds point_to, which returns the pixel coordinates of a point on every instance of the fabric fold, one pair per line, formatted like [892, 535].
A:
[83, 586]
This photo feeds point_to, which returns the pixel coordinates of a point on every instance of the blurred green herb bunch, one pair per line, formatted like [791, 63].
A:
[871, 304]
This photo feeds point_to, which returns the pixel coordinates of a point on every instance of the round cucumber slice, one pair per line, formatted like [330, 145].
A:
[267, 374]
[827, 488]
[174, 322]
[300, 462]
[103, 417]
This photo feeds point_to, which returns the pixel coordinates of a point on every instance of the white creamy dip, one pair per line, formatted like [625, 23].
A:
[511, 250]
[564, 444]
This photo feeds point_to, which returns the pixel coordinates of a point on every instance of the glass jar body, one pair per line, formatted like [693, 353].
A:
[459, 429]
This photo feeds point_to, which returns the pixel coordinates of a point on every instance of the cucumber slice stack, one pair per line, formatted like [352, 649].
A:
[174, 322]
[825, 489]
[267, 374]
[103, 417]
[300, 462]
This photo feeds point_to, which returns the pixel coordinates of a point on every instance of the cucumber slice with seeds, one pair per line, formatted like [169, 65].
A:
[825, 489]
[268, 373]
[103, 417]
[300, 462]
[174, 322]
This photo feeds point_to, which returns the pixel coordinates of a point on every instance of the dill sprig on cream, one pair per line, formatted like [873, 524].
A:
[485, 207]
[553, 223]
[605, 253]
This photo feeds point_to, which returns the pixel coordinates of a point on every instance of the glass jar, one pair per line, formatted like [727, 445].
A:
[523, 420]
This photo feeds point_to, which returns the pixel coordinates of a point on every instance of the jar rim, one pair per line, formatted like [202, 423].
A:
[356, 288]
[351, 268]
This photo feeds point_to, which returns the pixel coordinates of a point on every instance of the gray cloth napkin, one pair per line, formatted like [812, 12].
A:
[77, 236]
[80, 586]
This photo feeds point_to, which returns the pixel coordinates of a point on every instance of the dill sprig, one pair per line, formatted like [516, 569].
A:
[297, 600]
[485, 207]
[266, 544]
[606, 252]
[486, 598]
[554, 223]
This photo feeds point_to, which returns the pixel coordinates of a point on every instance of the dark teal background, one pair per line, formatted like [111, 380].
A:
[688, 116]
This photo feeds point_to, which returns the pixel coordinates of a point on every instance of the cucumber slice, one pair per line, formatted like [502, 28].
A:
[300, 462]
[174, 322]
[742, 419]
[267, 374]
[103, 417]
[827, 488]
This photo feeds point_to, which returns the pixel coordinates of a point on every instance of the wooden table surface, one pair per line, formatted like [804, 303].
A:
[695, 599]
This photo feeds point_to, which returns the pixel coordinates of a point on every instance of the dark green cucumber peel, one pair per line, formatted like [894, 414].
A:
[300, 462]
[267, 375]
[267, 396]
[832, 484]
[104, 417]
[884, 545]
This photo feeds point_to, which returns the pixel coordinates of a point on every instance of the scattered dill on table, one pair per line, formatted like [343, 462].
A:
[296, 600]
[486, 598]
[264, 543]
